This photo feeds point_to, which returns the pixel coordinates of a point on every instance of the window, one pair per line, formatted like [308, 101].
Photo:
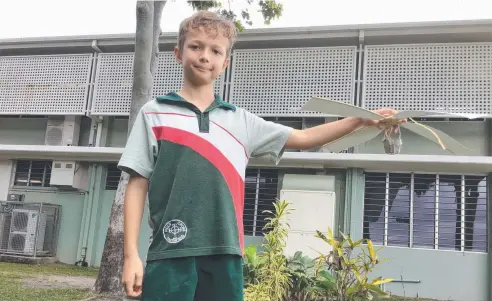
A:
[426, 211]
[113, 175]
[261, 191]
[32, 173]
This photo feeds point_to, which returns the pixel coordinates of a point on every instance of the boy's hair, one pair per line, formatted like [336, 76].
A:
[212, 23]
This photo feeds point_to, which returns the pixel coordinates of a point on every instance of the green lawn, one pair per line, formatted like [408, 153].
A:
[402, 299]
[22, 282]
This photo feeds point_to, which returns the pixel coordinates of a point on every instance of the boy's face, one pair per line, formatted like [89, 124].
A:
[204, 56]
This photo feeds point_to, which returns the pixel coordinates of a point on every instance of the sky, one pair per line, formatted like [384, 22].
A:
[45, 18]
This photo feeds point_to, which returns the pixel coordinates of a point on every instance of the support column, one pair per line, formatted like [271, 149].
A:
[489, 213]
[5, 178]
[489, 235]
[354, 203]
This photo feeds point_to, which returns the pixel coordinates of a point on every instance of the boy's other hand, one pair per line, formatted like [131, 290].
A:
[132, 276]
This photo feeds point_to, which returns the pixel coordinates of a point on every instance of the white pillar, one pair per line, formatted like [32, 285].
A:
[6, 167]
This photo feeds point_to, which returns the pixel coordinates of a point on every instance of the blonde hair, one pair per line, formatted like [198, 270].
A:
[210, 22]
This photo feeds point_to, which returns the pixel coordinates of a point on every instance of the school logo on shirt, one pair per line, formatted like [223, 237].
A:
[174, 231]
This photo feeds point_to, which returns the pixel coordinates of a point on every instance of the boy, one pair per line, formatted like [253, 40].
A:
[188, 151]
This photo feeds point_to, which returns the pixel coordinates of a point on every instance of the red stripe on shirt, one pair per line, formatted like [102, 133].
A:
[194, 116]
[214, 156]
[234, 137]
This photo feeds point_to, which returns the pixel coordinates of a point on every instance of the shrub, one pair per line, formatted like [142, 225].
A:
[351, 263]
[341, 275]
[272, 278]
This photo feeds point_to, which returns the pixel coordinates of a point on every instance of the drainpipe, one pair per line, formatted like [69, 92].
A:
[489, 213]
[89, 199]
[94, 140]
[489, 232]
[100, 141]
[348, 201]
[89, 196]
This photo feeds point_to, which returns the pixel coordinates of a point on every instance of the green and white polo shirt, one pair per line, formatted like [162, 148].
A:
[195, 162]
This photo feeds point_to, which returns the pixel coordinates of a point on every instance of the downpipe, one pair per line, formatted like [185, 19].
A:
[83, 249]
[489, 214]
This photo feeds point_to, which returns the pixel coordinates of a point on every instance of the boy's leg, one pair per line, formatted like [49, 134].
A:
[220, 278]
[170, 280]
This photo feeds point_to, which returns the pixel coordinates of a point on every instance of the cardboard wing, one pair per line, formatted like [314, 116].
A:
[362, 135]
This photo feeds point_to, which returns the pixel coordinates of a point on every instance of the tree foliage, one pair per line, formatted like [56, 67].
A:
[269, 9]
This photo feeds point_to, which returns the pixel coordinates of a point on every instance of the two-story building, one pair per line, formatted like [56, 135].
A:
[65, 101]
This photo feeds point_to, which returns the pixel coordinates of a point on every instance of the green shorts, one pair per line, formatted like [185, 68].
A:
[203, 278]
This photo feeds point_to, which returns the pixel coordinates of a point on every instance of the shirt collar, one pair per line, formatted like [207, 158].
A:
[174, 98]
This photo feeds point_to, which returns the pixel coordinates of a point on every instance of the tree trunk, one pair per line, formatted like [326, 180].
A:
[144, 65]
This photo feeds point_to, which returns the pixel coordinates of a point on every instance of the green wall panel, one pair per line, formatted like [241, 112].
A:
[117, 132]
[443, 275]
[31, 131]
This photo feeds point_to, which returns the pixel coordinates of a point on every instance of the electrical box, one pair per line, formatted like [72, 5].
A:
[311, 211]
[69, 174]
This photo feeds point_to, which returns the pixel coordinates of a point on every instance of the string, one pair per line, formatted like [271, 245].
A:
[389, 125]
[430, 130]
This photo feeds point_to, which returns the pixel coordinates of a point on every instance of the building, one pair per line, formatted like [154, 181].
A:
[64, 105]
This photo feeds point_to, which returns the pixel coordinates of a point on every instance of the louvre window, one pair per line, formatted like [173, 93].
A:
[112, 177]
[433, 211]
[261, 191]
[32, 173]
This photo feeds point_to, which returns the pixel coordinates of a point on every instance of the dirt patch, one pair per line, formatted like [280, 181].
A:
[53, 281]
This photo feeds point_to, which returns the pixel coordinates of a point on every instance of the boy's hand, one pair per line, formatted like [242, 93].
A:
[132, 276]
[385, 113]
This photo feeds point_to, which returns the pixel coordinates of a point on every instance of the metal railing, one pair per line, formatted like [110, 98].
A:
[29, 229]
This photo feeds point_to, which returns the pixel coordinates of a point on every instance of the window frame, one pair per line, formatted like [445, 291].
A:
[256, 230]
[46, 176]
[440, 246]
[111, 167]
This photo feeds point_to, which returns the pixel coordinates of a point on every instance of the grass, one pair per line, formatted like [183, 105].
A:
[11, 287]
[401, 299]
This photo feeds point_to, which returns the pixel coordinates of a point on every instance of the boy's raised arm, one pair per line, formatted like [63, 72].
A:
[328, 132]
[269, 138]
[322, 134]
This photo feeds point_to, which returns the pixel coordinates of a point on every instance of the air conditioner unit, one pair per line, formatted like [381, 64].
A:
[14, 197]
[62, 131]
[69, 174]
[27, 230]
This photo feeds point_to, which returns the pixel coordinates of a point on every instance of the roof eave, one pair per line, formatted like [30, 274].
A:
[269, 34]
